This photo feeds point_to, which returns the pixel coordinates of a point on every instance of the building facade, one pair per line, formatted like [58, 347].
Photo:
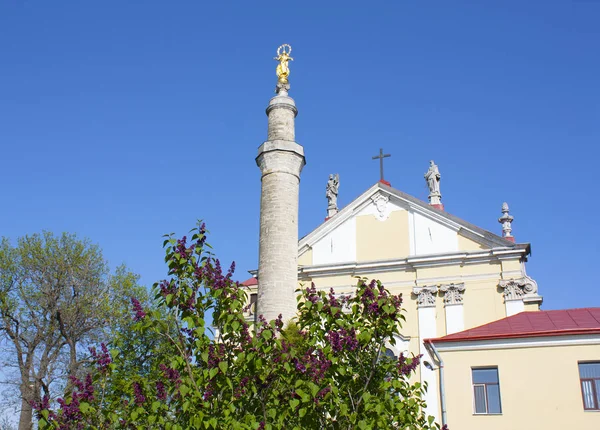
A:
[452, 275]
[528, 371]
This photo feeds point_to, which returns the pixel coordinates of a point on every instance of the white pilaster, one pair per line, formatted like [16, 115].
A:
[453, 307]
[427, 329]
[514, 307]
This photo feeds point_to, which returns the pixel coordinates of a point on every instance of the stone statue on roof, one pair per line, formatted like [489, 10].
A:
[432, 176]
[331, 193]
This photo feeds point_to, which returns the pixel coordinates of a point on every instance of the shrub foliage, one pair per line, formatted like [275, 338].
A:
[326, 369]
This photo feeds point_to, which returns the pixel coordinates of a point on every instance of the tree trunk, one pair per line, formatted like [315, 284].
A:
[26, 418]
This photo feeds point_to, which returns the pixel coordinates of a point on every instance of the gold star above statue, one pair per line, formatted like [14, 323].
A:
[283, 56]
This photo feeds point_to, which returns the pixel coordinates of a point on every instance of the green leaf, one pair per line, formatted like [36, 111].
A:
[223, 366]
[184, 389]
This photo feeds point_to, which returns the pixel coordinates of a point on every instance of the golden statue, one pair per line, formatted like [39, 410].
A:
[283, 56]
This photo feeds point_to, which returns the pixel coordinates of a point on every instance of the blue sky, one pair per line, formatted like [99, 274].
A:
[122, 121]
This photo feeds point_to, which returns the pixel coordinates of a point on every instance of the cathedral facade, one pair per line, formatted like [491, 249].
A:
[454, 277]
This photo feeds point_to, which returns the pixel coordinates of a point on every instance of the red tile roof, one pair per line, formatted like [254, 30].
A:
[250, 282]
[533, 324]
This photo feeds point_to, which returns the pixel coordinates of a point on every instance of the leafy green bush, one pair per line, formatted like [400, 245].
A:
[326, 369]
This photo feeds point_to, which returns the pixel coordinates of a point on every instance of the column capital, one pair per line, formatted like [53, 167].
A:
[518, 289]
[425, 296]
[453, 293]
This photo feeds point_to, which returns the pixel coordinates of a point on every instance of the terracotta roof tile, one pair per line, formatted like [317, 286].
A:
[250, 282]
[533, 324]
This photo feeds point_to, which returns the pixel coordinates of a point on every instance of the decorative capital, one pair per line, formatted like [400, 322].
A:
[381, 203]
[453, 293]
[506, 219]
[425, 296]
[517, 289]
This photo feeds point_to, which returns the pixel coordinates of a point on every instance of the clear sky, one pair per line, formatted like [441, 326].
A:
[122, 121]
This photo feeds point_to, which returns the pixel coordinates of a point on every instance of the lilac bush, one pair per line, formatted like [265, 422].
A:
[326, 369]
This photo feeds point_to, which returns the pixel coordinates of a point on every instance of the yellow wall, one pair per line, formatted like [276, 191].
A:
[510, 265]
[382, 240]
[539, 388]
[483, 302]
[306, 258]
[465, 244]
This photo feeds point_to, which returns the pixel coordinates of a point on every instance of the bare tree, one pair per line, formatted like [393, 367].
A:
[56, 297]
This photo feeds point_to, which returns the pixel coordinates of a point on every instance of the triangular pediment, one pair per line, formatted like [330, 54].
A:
[384, 223]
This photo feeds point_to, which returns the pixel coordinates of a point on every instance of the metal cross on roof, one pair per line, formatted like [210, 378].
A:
[381, 156]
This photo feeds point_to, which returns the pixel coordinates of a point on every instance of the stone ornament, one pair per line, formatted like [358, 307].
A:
[381, 204]
[425, 296]
[432, 177]
[506, 221]
[331, 192]
[453, 293]
[517, 289]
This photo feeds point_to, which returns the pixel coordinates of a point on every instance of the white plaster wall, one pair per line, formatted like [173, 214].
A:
[432, 237]
[514, 307]
[338, 246]
[455, 321]
[427, 329]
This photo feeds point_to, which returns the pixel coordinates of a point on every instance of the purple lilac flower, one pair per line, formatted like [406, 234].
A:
[406, 368]
[103, 359]
[171, 374]
[139, 395]
[137, 308]
[321, 394]
[161, 393]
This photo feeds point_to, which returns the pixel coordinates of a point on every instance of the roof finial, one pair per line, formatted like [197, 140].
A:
[506, 221]
[432, 177]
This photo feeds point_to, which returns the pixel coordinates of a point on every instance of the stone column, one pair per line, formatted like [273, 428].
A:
[453, 306]
[280, 160]
[427, 329]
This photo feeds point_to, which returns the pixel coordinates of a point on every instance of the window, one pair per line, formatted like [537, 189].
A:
[253, 299]
[486, 391]
[589, 375]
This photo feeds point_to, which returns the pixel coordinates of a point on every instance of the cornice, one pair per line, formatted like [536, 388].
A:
[410, 263]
